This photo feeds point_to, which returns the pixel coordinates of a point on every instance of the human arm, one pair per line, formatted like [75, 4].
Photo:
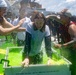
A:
[5, 31]
[27, 49]
[72, 32]
[48, 48]
[48, 44]
[6, 24]
[47, 41]
[65, 44]
[21, 29]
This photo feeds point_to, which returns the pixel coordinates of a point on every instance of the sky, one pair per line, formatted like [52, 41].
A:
[58, 5]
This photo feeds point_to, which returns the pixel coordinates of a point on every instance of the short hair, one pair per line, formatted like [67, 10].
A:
[25, 1]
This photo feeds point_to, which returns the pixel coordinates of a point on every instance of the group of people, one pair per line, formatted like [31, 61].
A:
[31, 32]
[35, 31]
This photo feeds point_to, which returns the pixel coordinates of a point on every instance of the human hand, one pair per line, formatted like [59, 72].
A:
[21, 21]
[49, 61]
[25, 62]
[57, 45]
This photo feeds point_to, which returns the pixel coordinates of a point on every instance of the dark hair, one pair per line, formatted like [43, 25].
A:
[73, 18]
[25, 1]
[40, 16]
[66, 14]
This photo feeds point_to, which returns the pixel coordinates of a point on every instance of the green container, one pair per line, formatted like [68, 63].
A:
[39, 69]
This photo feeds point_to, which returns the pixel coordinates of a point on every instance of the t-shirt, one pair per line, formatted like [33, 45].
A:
[21, 35]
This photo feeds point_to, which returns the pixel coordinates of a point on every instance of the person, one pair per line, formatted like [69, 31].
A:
[70, 25]
[71, 30]
[5, 26]
[63, 34]
[54, 24]
[21, 35]
[35, 33]
[25, 4]
[69, 48]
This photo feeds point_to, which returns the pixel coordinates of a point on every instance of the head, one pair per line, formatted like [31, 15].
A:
[65, 18]
[33, 14]
[3, 6]
[64, 10]
[39, 21]
[24, 3]
[22, 12]
[24, 6]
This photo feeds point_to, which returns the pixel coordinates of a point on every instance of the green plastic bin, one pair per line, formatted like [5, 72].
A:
[39, 69]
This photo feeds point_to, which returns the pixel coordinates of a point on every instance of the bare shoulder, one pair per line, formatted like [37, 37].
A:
[72, 29]
[6, 24]
[4, 20]
[72, 26]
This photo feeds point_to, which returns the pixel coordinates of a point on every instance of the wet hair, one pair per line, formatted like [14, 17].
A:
[40, 16]
[66, 14]
[67, 17]
[24, 1]
[73, 18]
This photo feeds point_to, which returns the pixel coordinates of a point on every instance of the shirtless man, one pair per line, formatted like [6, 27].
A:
[5, 26]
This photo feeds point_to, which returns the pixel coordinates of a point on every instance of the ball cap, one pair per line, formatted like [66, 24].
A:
[3, 3]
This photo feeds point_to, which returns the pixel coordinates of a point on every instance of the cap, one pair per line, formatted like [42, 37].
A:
[3, 3]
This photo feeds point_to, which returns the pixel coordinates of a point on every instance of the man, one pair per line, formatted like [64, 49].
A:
[5, 26]
[22, 14]
[21, 35]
